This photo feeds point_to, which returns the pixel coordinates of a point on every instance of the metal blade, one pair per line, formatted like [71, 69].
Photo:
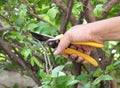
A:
[52, 43]
[41, 37]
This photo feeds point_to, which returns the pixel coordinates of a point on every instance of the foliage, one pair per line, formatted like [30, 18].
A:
[46, 18]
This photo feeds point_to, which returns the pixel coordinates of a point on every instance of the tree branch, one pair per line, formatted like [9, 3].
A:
[17, 58]
[67, 16]
[88, 11]
[65, 9]
[108, 6]
[34, 13]
[81, 15]
[39, 18]
[3, 27]
[8, 21]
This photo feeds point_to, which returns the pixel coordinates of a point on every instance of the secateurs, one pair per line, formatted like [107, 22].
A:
[54, 41]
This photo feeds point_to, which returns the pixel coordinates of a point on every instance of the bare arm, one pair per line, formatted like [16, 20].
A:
[108, 29]
[99, 31]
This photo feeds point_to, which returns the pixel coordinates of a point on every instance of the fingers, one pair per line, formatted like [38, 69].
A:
[64, 43]
[74, 57]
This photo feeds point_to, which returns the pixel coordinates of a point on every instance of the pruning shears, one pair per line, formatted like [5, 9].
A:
[54, 41]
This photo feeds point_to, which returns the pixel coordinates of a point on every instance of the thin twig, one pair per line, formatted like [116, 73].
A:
[53, 58]
[46, 57]
[86, 68]
[40, 18]
[8, 21]
[81, 15]
[66, 20]
[62, 6]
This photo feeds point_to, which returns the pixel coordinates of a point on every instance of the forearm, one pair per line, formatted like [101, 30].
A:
[108, 29]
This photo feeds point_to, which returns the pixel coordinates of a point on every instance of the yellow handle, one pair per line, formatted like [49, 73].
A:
[94, 44]
[85, 56]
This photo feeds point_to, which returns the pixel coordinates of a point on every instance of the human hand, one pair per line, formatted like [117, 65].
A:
[80, 48]
[79, 33]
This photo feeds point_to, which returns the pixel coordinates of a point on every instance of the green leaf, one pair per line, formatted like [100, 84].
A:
[110, 68]
[72, 82]
[86, 85]
[106, 77]
[32, 61]
[19, 21]
[65, 81]
[11, 1]
[97, 80]
[32, 26]
[26, 52]
[113, 66]
[1, 70]
[52, 13]
[2, 2]
[98, 72]
[23, 11]
[83, 78]
[37, 62]
[56, 70]
[42, 74]
[15, 86]
[101, 78]
[77, 8]
[98, 9]
[116, 63]
[45, 28]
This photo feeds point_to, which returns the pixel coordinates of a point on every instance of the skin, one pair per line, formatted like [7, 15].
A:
[100, 31]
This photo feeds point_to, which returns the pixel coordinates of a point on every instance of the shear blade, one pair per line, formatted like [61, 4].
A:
[41, 37]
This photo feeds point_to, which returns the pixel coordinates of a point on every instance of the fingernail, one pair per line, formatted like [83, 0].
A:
[56, 52]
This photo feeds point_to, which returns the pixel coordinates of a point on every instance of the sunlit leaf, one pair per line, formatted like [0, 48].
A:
[65, 81]
[55, 71]
[98, 72]
[32, 61]
[110, 68]
[26, 52]
[106, 77]
[37, 62]
[32, 26]
[52, 13]
[87, 85]
[98, 9]
[101, 78]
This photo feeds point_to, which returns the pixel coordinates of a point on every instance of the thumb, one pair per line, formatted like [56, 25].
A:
[64, 43]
